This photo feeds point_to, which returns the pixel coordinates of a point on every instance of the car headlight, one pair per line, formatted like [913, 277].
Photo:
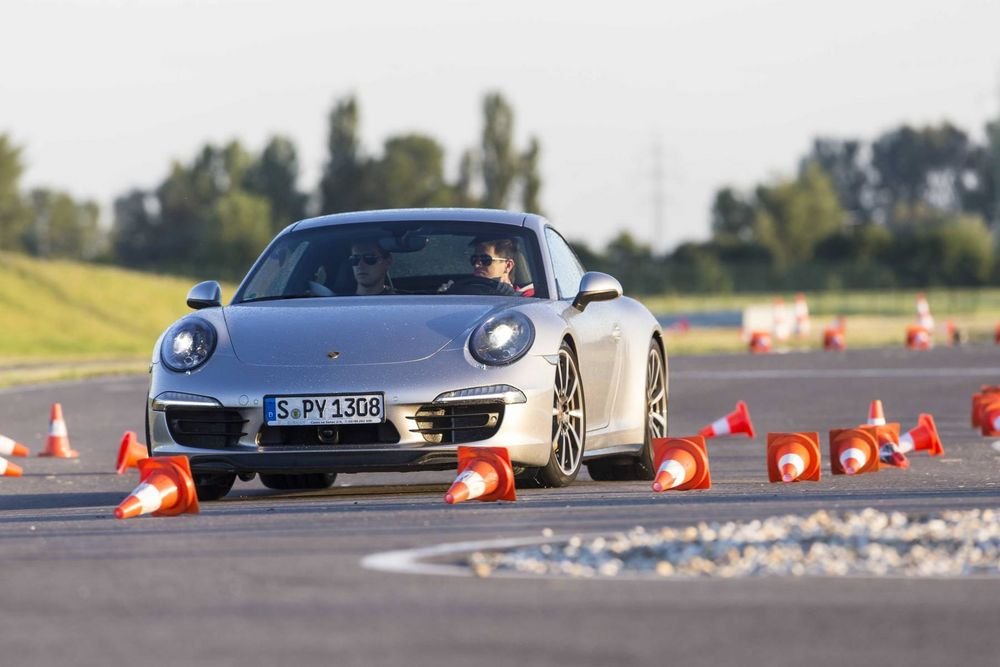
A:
[188, 344]
[502, 339]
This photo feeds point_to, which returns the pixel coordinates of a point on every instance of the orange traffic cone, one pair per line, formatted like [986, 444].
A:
[737, 421]
[57, 444]
[922, 438]
[792, 457]
[854, 450]
[681, 464]
[918, 338]
[889, 451]
[876, 416]
[978, 399]
[834, 339]
[11, 447]
[130, 452]
[166, 489]
[760, 342]
[484, 473]
[8, 469]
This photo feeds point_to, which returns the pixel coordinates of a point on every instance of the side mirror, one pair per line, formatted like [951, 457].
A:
[596, 286]
[205, 295]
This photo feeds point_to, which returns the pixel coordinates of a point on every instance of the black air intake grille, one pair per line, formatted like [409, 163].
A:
[206, 428]
[458, 423]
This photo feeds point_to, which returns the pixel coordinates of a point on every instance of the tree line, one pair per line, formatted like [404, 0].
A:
[916, 207]
[212, 215]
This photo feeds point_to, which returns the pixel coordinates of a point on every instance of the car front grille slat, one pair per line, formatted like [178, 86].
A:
[457, 423]
[208, 428]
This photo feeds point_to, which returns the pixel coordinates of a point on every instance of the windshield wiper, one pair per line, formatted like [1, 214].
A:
[279, 297]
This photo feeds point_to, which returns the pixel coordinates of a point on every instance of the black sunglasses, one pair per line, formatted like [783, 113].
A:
[476, 260]
[370, 259]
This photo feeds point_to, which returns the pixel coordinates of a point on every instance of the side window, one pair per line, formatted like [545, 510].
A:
[565, 266]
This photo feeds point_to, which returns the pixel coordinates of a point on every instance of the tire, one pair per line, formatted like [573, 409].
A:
[212, 486]
[307, 480]
[643, 467]
[569, 426]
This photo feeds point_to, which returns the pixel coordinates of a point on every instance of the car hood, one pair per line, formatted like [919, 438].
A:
[367, 330]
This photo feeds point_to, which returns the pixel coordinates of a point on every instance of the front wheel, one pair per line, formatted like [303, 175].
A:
[569, 426]
[307, 480]
[212, 486]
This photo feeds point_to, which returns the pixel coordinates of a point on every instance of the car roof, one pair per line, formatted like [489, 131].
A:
[418, 214]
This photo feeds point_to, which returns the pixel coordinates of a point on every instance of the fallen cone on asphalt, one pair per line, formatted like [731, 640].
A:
[11, 447]
[681, 464]
[876, 415]
[986, 393]
[834, 339]
[166, 489]
[736, 422]
[854, 450]
[484, 473]
[889, 451]
[8, 469]
[130, 452]
[922, 438]
[792, 457]
[57, 444]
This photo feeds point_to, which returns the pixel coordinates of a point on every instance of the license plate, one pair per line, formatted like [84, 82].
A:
[324, 409]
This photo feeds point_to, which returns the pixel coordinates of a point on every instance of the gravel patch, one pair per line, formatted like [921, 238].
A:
[823, 544]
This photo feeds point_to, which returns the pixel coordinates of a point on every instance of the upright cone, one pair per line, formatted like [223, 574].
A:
[854, 450]
[130, 452]
[736, 422]
[792, 457]
[876, 416]
[11, 447]
[8, 469]
[166, 488]
[57, 444]
[922, 438]
[484, 473]
[681, 464]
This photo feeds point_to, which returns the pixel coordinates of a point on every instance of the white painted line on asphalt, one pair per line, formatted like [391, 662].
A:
[816, 373]
[411, 561]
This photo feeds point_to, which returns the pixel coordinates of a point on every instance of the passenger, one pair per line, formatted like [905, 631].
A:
[371, 268]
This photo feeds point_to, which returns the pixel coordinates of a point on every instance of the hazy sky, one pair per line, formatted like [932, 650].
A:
[103, 94]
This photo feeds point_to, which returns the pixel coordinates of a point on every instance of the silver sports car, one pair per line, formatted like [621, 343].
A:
[380, 341]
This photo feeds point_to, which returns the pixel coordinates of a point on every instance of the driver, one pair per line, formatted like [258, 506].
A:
[370, 263]
[493, 259]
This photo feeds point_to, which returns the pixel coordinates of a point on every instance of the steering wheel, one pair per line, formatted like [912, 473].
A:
[481, 285]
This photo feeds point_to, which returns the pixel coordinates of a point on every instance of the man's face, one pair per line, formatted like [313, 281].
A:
[499, 267]
[371, 265]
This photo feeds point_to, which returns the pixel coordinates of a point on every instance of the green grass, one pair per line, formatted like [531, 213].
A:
[62, 319]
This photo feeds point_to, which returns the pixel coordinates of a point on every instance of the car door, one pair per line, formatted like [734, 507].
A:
[597, 333]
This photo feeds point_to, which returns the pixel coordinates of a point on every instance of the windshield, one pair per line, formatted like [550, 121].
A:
[398, 258]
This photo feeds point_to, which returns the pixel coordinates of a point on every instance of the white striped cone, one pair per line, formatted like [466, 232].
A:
[11, 447]
[876, 416]
[791, 466]
[8, 469]
[853, 459]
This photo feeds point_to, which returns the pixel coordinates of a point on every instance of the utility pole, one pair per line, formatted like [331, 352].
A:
[657, 196]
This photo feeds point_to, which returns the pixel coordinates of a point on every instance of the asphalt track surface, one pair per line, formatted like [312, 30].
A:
[266, 578]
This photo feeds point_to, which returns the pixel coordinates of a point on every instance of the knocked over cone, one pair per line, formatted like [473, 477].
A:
[854, 450]
[792, 457]
[923, 437]
[889, 451]
[11, 447]
[737, 421]
[681, 464]
[166, 489]
[8, 469]
[484, 473]
[130, 452]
